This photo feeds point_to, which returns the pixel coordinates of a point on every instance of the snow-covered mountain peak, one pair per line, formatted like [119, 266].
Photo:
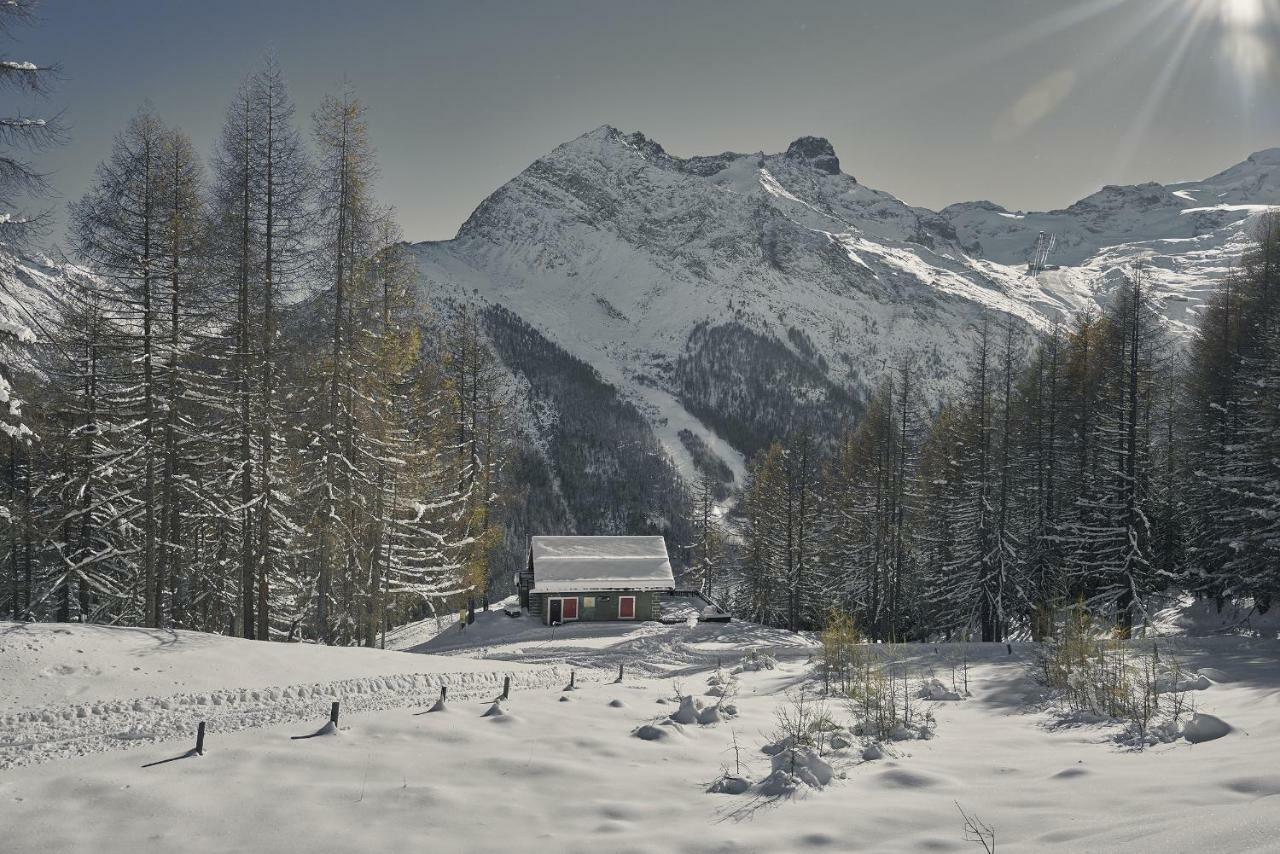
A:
[1255, 180]
[706, 288]
[1267, 158]
[610, 147]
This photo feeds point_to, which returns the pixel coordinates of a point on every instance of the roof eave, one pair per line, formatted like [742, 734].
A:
[601, 586]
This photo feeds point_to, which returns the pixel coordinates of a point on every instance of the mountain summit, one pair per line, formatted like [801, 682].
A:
[817, 151]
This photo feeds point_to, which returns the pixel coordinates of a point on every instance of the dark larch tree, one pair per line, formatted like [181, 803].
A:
[117, 228]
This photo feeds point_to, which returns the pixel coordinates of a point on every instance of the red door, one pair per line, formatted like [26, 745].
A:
[626, 607]
[570, 609]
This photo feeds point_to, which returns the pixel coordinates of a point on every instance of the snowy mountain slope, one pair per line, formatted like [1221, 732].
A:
[30, 285]
[1188, 235]
[629, 258]
[1114, 216]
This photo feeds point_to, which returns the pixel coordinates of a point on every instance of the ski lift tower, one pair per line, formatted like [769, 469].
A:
[1046, 242]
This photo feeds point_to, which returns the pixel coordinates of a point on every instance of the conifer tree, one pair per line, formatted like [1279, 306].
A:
[117, 228]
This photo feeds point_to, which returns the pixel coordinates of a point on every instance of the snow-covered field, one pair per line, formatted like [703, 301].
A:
[562, 770]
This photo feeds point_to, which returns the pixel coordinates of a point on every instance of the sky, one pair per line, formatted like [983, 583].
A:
[1029, 103]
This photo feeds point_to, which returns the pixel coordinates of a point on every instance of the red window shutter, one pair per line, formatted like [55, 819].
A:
[627, 607]
[570, 609]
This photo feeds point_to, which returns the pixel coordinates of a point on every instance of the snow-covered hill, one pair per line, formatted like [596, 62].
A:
[729, 296]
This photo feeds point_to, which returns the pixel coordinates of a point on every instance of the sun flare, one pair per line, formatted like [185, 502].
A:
[1240, 13]
[1245, 35]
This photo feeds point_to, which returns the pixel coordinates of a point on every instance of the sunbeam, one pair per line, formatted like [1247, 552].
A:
[1154, 99]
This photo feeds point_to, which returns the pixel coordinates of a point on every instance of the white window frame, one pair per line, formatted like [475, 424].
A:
[633, 607]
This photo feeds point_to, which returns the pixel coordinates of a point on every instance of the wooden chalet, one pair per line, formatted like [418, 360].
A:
[568, 579]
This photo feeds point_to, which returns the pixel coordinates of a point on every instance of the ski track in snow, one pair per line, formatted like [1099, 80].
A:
[56, 732]
[74, 691]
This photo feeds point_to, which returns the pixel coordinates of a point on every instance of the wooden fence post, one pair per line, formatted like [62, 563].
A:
[333, 714]
[506, 687]
[571, 676]
[200, 739]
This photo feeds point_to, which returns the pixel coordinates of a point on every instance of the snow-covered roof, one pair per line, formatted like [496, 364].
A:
[568, 564]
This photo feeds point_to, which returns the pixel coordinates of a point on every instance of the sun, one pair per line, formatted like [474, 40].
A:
[1239, 13]
[1246, 33]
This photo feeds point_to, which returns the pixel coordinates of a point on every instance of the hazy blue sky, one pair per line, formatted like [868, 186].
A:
[1031, 103]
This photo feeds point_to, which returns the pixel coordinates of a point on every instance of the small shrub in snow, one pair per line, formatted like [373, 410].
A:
[779, 784]
[687, 713]
[778, 746]
[649, 732]
[658, 732]
[797, 766]
[728, 784]
[722, 686]
[755, 661]
[709, 715]
[933, 689]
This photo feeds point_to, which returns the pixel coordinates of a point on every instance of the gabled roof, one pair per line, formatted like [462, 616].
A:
[569, 564]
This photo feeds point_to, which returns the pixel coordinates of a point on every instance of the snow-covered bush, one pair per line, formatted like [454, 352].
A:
[756, 660]
[841, 651]
[934, 689]
[720, 684]
[804, 764]
[802, 721]
[1100, 678]
[729, 784]
[687, 713]
[880, 699]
